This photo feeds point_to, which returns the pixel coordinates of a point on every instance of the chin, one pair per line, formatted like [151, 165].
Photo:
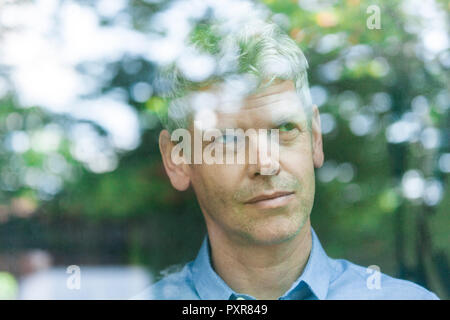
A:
[274, 233]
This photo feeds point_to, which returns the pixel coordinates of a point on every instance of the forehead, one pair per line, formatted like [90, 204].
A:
[276, 104]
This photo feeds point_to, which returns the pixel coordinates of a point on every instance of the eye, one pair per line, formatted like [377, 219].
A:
[288, 126]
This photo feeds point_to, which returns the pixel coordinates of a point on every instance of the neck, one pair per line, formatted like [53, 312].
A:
[260, 270]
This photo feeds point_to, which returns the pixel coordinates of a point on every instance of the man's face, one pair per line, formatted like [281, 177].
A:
[240, 202]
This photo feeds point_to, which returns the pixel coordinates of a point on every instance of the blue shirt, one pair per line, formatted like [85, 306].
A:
[322, 278]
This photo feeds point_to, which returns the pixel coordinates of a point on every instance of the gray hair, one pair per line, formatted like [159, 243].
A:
[244, 58]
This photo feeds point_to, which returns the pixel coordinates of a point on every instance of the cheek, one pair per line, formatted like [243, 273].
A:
[297, 160]
[218, 181]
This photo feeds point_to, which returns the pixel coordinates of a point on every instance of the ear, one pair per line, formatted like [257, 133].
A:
[178, 175]
[316, 136]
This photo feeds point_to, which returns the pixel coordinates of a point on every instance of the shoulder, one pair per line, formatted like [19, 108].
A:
[352, 281]
[177, 285]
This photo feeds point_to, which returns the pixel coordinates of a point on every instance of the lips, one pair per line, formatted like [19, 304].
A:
[269, 196]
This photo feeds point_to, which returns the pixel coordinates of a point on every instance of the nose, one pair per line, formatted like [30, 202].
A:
[266, 153]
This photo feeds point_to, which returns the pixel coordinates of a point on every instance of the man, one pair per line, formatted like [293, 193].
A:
[260, 244]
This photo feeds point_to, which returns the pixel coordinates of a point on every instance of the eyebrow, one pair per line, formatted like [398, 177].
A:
[293, 117]
[282, 119]
[275, 122]
[281, 115]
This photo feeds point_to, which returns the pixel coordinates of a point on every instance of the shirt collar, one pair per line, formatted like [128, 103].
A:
[208, 283]
[316, 275]
[317, 272]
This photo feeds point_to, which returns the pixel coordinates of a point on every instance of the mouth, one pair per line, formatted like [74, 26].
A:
[271, 200]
